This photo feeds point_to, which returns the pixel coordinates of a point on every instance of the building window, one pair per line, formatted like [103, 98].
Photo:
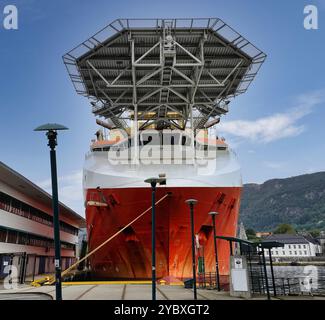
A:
[290, 252]
[277, 253]
[295, 253]
[289, 246]
[305, 252]
[3, 235]
[299, 246]
[28, 239]
[283, 253]
[304, 246]
[294, 246]
[300, 253]
[23, 239]
[17, 207]
[4, 202]
[12, 236]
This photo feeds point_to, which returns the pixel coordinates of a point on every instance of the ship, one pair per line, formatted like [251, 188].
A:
[158, 89]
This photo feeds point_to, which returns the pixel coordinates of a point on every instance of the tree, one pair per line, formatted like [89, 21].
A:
[315, 233]
[250, 232]
[284, 228]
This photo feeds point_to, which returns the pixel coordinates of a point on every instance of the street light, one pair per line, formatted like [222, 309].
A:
[192, 203]
[213, 214]
[51, 134]
[265, 272]
[153, 182]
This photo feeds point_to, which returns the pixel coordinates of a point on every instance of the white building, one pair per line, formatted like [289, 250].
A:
[295, 246]
[26, 227]
[321, 241]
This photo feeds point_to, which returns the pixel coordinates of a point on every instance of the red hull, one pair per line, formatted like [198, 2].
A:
[128, 256]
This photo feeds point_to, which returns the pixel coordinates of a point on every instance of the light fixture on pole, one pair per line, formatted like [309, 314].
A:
[51, 133]
[192, 203]
[213, 214]
[153, 182]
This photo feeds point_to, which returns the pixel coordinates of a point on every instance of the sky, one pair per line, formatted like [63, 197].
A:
[276, 128]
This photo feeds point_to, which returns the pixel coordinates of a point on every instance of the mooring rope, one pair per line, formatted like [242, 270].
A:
[52, 279]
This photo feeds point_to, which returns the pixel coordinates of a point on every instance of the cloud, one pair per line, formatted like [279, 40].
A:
[277, 126]
[70, 190]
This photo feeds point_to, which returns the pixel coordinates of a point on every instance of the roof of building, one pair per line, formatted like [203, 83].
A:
[264, 233]
[287, 238]
[309, 237]
[271, 244]
[18, 182]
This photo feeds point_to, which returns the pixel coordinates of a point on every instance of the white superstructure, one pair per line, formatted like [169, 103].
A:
[218, 167]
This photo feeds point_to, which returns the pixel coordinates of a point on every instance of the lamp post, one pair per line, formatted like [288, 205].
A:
[213, 214]
[265, 273]
[192, 203]
[153, 182]
[51, 134]
[272, 272]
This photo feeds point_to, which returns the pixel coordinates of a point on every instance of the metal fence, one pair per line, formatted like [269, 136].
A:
[265, 279]
[207, 280]
[283, 284]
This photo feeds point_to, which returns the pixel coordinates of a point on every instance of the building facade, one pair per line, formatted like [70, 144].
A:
[26, 227]
[321, 241]
[295, 246]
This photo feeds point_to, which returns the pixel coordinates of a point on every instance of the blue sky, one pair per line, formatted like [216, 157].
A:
[276, 128]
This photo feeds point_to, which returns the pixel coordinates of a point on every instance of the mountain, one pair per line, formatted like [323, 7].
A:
[299, 201]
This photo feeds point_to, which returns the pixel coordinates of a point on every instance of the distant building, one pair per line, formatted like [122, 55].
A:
[26, 227]
[321, 241]
[295, 246]
[263, 234]
[315, 241]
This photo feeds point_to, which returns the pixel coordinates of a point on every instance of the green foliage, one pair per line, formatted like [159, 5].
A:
[299, 201]
[253, 238]
[250, 232]
[315, 233]
[284, 228]
[251, 235]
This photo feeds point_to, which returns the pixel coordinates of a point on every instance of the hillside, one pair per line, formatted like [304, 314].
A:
[299, 201]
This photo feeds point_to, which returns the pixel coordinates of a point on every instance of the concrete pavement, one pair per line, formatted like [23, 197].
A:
[125, 292]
